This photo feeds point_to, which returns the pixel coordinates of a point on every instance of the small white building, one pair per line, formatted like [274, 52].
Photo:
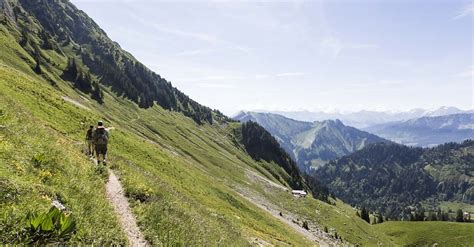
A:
[299, 193]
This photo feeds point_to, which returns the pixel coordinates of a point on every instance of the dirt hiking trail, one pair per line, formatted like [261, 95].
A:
[116, 196]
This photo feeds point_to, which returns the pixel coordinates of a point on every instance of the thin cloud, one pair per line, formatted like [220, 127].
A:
[211, 78]
[332, 44]
[233, 77]
[216, 85]
[197, 36]
[194, 52]
[466, 73]
[204, 37]
[261, 76]
[376, 83]
[335, 46]
[465, 11]
[290, 74]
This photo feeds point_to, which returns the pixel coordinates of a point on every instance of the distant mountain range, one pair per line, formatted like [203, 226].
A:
[312, 143]
[428, 131]
[364, 119]
[391, 177]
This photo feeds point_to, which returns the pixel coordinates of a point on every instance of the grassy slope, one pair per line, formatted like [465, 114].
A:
[184, 174]
[428, 233]
[61, 170]
[185, 179]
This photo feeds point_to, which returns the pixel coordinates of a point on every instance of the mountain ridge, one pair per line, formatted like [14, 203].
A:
[367, 118]
[428, 131]
[312, 144]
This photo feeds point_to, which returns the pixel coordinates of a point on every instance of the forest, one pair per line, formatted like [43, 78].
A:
[396, 180]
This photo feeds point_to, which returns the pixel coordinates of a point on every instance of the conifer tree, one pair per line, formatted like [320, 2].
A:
[459, 216]
[364, 214]
[379, 218]
[97, 93]
[37, 68]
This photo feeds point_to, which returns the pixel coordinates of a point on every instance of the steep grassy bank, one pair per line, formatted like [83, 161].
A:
[40, 164]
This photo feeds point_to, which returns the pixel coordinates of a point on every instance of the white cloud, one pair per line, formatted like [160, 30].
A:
[467, 10]
[332, 44]
[237, 77]
[377, 83]
[290, 74]
[335, 46]
[194, 52]
[261, 76]
[216, 85]
[467, 73]
[210, 39]
[211, 78]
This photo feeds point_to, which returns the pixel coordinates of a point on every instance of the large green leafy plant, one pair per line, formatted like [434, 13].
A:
[51, 227]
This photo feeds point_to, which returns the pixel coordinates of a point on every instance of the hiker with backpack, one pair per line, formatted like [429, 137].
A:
[101, 139]
[90, 141]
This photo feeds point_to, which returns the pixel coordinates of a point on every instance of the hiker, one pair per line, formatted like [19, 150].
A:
[101, 139]
[90, 141]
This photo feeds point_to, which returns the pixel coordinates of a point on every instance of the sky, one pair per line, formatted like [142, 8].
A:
[301, 55]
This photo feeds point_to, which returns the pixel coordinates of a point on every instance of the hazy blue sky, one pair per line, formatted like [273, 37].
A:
[288, 55]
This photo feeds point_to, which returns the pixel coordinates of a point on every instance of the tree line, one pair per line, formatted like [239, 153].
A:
[93, 55]
[260, 144]
[418, 214]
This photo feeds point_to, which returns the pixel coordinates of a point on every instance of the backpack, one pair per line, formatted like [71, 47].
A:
[89, 135]
[101, 136]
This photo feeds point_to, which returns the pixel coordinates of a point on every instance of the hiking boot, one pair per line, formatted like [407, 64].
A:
[104, 162]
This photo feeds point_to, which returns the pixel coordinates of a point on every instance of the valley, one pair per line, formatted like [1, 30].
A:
[190, 175]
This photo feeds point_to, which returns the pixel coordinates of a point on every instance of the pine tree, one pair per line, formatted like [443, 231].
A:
[379, 218]
[421, 215]
[97, 93]
[439, 214]
[37, 68]
[71, 72]
[444, 216]
[432, 216]
[412, 217]
[364, 214]
[459, 216]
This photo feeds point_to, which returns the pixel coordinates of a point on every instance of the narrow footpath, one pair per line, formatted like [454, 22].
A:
[128, 222]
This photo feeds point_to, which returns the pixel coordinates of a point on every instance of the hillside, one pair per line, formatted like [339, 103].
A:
[179, 172]
[312, 144]
[428, 131]
[392, 177]
[190, 180]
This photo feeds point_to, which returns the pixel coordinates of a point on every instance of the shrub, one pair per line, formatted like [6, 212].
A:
[8, 191]
[51, 227]
[142, 193]
[39, 160]
[45, 175]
